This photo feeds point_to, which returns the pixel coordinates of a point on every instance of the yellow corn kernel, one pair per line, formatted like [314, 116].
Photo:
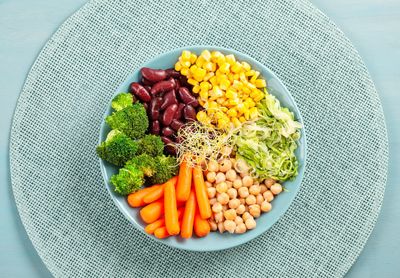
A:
[185, 64]
[242, 119]
[246, 66]
[200, 62]
[215, 55]
[236, 122]
[236, 67]
[223, 122]
[224, 109]
[251, 86]
[193, 58]
[246, 90]
[237, 84]
[210, 66]
[202, 116]
[193, 82]
[185, 71]
[221, 60]
[240, 108]
[253, 113]
[250, 73]
[250, 103]
[208, 76]
[231, 112]
[203, 94]
[260, 83]
[206, 55]
[193, 69]
[258, 98]
[202, 102]
[205, 85]
[242, 77]
[224, 67]
[196, 89]
[255, 76]
[178, 66]
[199, 74]
[230, 93]
[255, 93]
[224, 84]
[213, 80]
[230, 59]
[216, 92]
[230, 77]
[186, 55]
[233, 102]
[221, 100]
[247, 114]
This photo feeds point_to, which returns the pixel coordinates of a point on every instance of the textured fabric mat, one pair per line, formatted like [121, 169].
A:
[61, 198]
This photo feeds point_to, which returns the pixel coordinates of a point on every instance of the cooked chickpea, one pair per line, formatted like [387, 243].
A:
[256, 183]
[276, 189]
[213, 201]
[241, 166]
[230, 226]
[223, 198]
[211, 192]
[226, 151]
[250, 223]
[254, 190]
[242, 201]
[225, 165]
[243, 174]
[269, 182]
[208, 184]
[232, 192]
[221, 227]
[219, 217]
[233, 160]
[268, 196]
[247, 181]
[263, 188]
[255, 210]
[234, 204]
[240, 209]
[237, 183]
[221, 187]
[220, 177]
[243, 192]
[230, 214]
[225, 207]
[213, 225]
[229, 184]
[259, 199]
[265, 206]
[212, 166]
[251, 200]
[211, 176]
[240, 228]
[238, 220]
[217, 207]
[246, 216]
[231, 175]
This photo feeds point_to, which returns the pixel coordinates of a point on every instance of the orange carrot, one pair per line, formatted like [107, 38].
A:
[152, 212]
[161, 232]
[201, 226]
[170, 208]
[188, 216]
[154, 195]
[136, 199]
[184, 182]
[150, 228]
[201, 193]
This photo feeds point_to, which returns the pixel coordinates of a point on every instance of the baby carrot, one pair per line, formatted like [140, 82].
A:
[201, 193]
[184, 182]
[136, 199]
[150, 228]
[188, 216]
[161, 232]
[153, 195]
[170, 208]
[201, 226]
[152, 212]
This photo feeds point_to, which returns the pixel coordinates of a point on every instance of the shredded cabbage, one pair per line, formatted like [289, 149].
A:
[269, 143]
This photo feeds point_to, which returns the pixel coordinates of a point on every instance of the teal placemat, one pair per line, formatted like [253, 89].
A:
[66, 210]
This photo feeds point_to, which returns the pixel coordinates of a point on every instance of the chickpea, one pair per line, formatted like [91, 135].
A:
[243, 192]
[217, 207]
[226, 151]
[219, 217]
[221, 227]
[269, 182]
[259, 199]
[232, 192]
[221, 187]
[223, 198]
[254, 190]
[211, 176]
[268, 196]
[263, 188]
[230, 214]
[213, 201]
[213, 225]
[241, 166]
[231, 175]
[265, 206]
[237, 183]
[276, 189]
[234, 204]
[233, 160]
[247, 181]
[220, 177]
[246, 216]
[238, 220]
[208, 184]
[255, 210]
[230, 226]
[256, 183]
[212, 166]
[229, 184]
[211, 192]
[225, 165]
[250, 223]
[242, 201]
[224, 207]
[250, 200]
[240, 228]
[240, 209]
[242, 175]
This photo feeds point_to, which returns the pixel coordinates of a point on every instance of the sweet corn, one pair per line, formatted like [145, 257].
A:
[199, 74]
[208, 76]
[224, 67]
[236, 67]
[206, 55]
[205, 86]
[186, 55]
[246, 66]
[242, 119]
[224, 84]
[260, 83]
[193, 58]
[236, 122]
[193, 82]
[215, 93]
[185, 71]
[253, 113]
[202, 116]
[232, 112]
[196, 89]
[230, 59]
[178, 66]
[204, 94]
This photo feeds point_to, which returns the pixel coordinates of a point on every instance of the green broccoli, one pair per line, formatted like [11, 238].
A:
[121, 101]
[145, 163]
[151, 145]
[128, 180]
[117, 148]
[132, 120]
[165, 168]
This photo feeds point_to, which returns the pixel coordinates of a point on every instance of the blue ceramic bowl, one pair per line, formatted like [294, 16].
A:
[214, 241]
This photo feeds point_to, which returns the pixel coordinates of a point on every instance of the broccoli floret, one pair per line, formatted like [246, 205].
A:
[145, 163]
[165, 168]
[128, 180]
[117, 148]
[151, 145]
[131, 120]
[121, 101]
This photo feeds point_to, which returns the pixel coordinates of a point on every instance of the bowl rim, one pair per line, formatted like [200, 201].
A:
[252, 61]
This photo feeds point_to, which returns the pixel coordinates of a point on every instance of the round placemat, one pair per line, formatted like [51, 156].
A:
[56, 178]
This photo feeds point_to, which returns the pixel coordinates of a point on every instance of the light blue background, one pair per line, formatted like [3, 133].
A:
[372, 25]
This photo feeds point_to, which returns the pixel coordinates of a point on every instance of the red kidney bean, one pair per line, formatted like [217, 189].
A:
[168, 115]
[178, 113]
[140, 92]
[148, 88]
[176, 124]
[169, 145]
[187, 97]
[155, 128]
[145, 105]
[169, 99]
[189, 113]
[173, 73]
[145, 82]
[167, 131]
[154, 75]
[163, 86]
[154, 111]
[178, 84]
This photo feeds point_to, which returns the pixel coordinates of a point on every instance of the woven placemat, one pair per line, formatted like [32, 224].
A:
[57, 183]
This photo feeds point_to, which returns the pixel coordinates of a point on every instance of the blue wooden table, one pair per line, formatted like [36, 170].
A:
[372, 25]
